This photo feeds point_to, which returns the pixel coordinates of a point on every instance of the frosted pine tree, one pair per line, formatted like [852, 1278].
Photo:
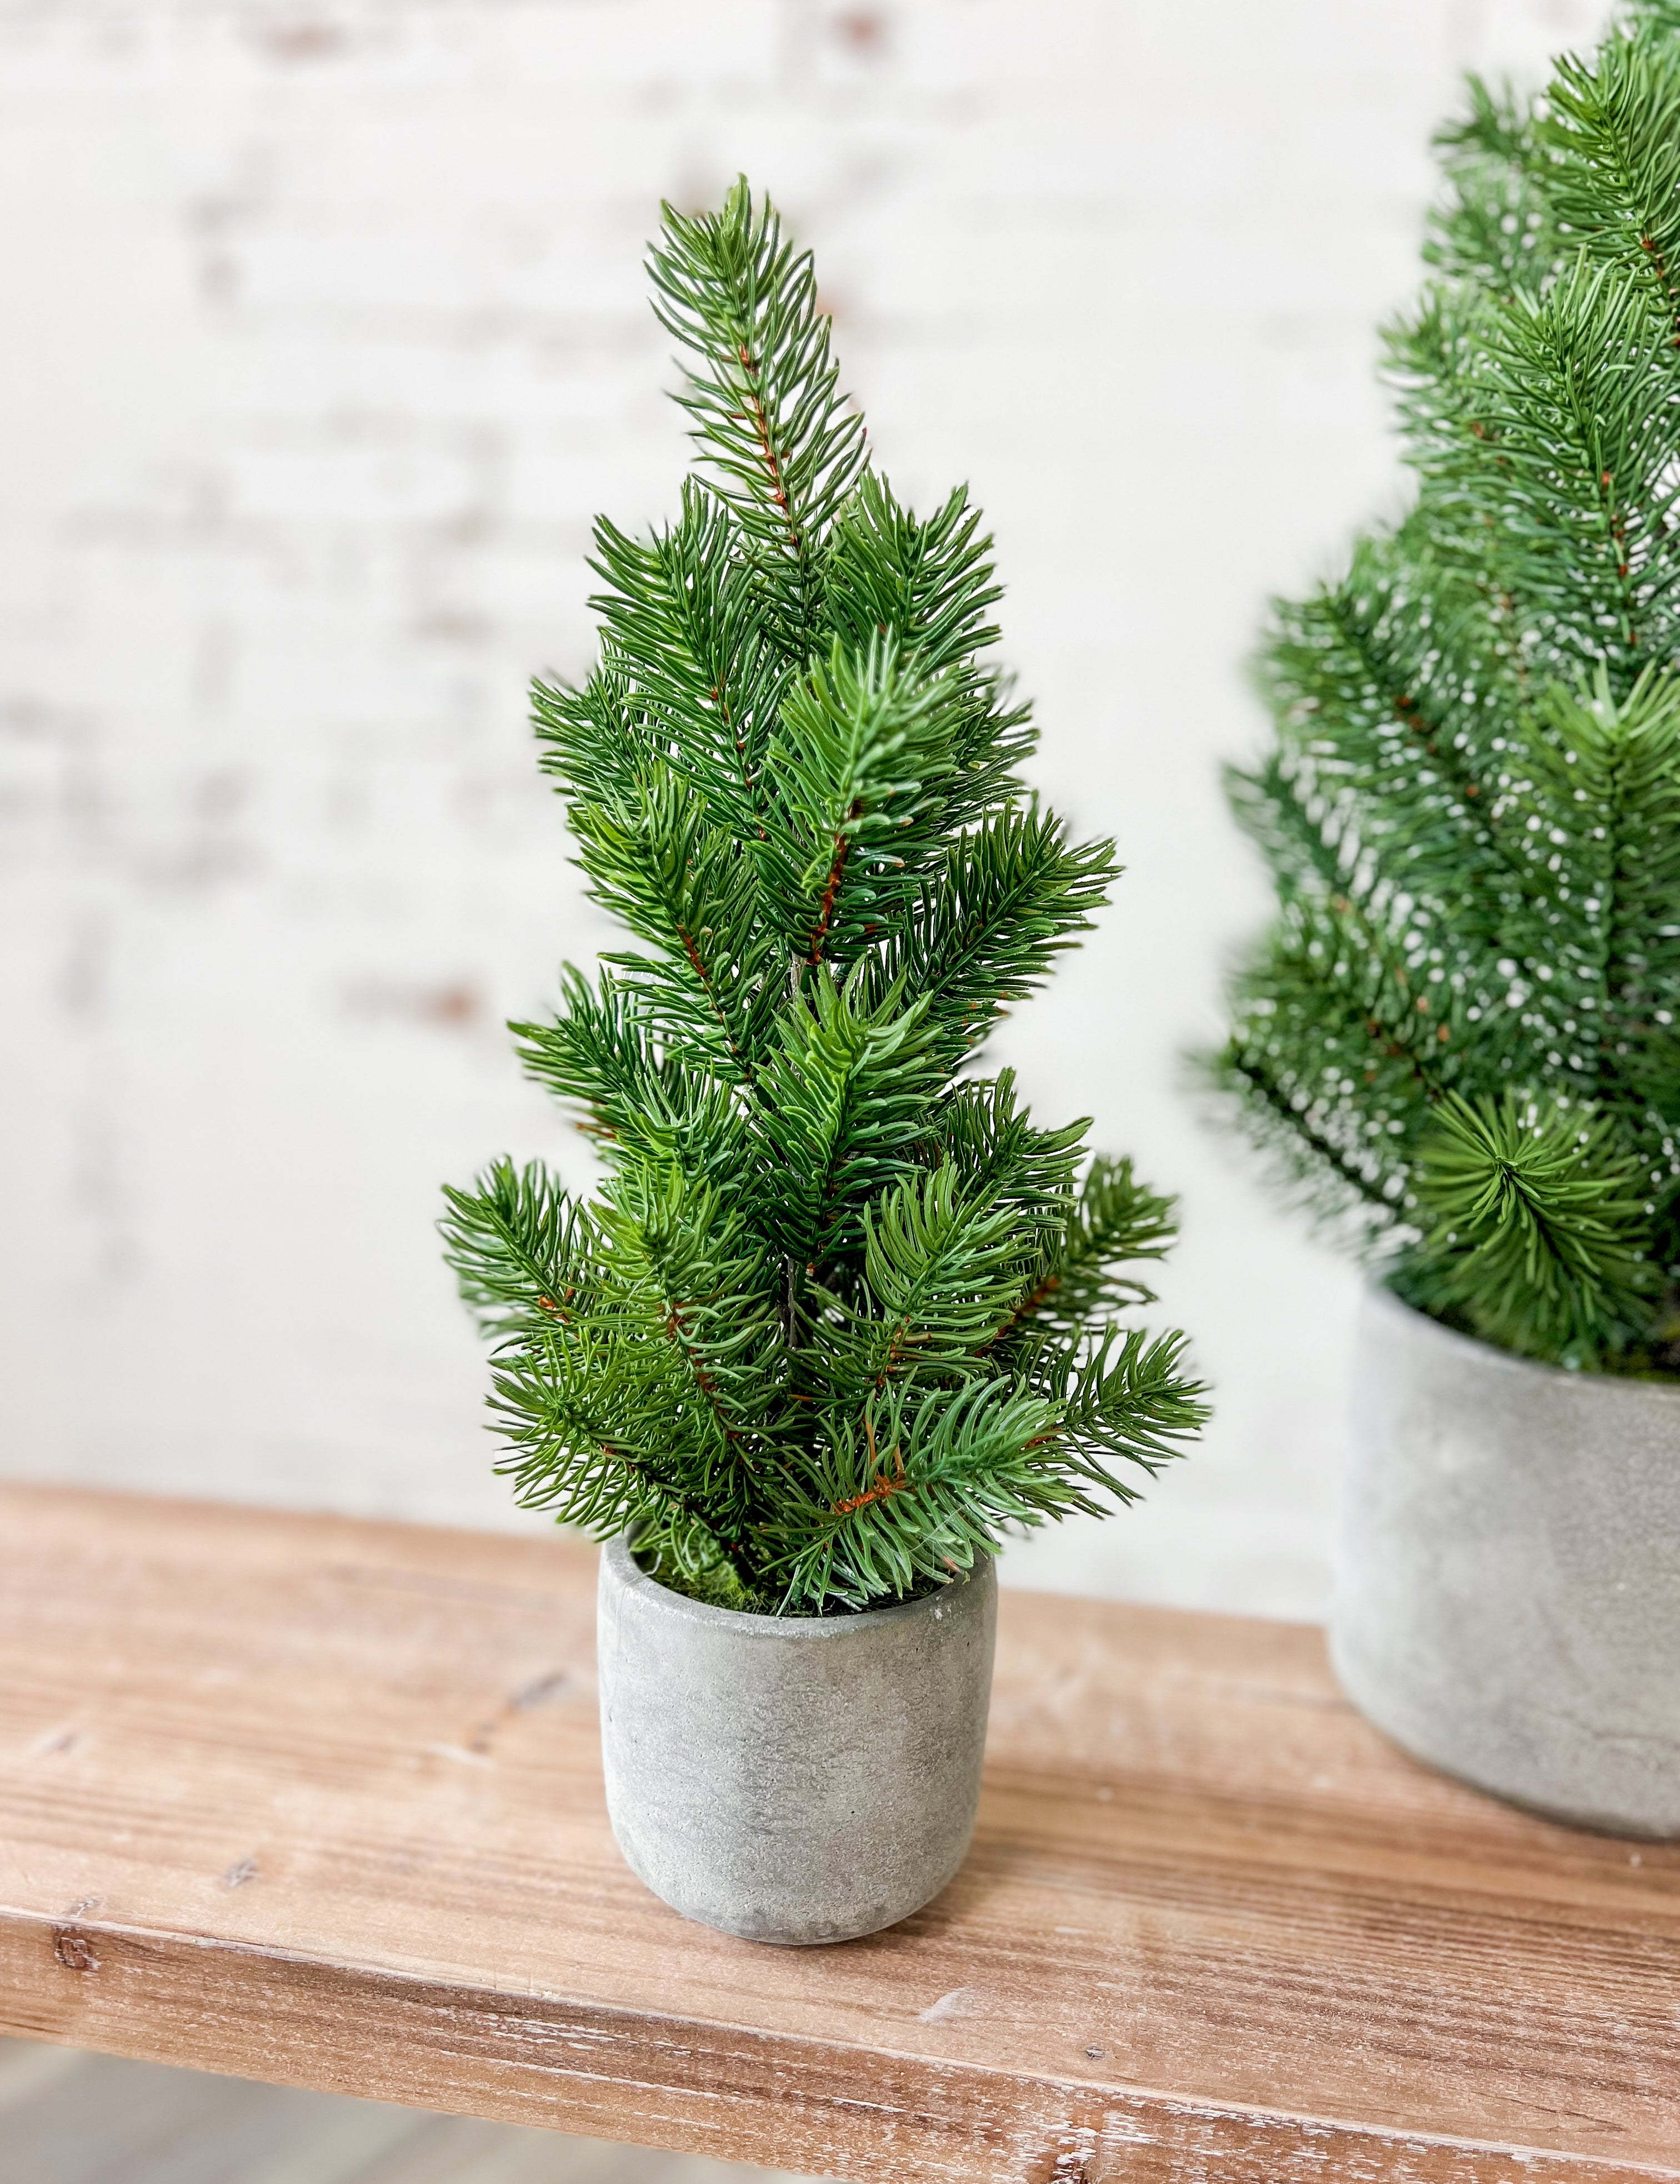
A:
[1460, 1035]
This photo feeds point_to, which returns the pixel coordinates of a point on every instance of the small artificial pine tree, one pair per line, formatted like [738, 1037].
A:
[1460, 1031]
[839, 1313]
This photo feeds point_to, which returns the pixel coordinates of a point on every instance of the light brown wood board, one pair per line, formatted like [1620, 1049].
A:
[319, 1801]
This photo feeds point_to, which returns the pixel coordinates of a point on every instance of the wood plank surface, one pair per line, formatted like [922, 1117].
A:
[318, 1803]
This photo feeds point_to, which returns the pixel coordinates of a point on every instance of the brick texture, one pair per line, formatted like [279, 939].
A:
[326, 338]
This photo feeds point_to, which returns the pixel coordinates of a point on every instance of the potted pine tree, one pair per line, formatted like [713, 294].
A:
[840, 1311]
[1458, 1036]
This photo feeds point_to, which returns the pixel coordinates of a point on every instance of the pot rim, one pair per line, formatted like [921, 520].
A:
[629, 1576]
[1379, 1297]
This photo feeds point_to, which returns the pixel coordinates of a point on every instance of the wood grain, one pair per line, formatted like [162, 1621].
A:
[318, 1803]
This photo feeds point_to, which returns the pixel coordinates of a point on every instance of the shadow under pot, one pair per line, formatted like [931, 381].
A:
[793, 1779]
[1508, 1591]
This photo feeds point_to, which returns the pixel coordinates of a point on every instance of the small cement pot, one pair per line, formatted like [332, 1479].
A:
[793, 1779]
[1508, 1597]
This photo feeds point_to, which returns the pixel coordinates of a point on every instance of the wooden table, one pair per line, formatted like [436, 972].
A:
[319, 1801]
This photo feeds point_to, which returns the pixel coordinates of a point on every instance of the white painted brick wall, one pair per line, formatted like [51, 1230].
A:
[325, 335]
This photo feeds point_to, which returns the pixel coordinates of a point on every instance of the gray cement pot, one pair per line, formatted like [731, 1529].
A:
[793, 1779]
[1508, 1597]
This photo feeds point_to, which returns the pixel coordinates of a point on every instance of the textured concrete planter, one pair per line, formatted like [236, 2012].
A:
[1508, 1597]
[793, 1779]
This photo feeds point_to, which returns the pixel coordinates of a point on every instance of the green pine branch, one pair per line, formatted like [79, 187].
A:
[774, 436]
[846, 1097]
[1534, 1224]
[859, 760]
[985, 927]
[1614, 176]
